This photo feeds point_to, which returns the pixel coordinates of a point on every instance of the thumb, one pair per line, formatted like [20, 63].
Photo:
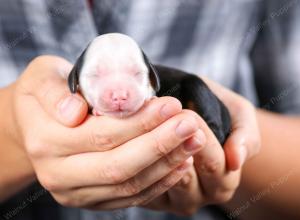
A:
[51, 90]
[236, 150]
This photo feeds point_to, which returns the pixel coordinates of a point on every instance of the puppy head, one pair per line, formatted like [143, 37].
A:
[114, 75]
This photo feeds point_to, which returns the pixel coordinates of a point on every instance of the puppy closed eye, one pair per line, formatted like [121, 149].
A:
[139, 76]
[93, 76]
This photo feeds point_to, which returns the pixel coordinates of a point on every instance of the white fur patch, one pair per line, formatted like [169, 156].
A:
[114, 62]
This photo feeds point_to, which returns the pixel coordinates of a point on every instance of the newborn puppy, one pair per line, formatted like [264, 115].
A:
[116, 78]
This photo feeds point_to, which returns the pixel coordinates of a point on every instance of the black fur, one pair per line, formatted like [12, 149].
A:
[189, 88]
[153, 74]
[73, 78]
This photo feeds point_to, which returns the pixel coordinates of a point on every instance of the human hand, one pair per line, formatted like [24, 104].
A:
[216, 173]
[103, 163]
[244, 141]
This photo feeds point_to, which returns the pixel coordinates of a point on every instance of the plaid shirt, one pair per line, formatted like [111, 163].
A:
[250, 46]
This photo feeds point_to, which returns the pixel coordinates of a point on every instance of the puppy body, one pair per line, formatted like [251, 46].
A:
[194, 94]
[116, 78]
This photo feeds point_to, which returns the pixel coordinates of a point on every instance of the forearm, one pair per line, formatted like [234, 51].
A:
[270, 182]
[15, 169]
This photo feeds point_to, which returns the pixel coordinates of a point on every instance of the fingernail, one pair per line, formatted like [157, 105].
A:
[196, 142]
[70, 107]
[243, 155]
[185, 128]
[167, 111]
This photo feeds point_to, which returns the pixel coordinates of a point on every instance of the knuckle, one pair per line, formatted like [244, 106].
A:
[185, 182]
[37, 60]
[49, 182]
[160, 148]
[113, 174]
[168, 182]
[101, 141]
[145, 198]
[210, 167]
[172, 160]
[139, 201]
[146, 125]
[36, 148]
[130, 188]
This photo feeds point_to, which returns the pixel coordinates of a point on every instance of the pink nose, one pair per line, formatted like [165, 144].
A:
[119, 97]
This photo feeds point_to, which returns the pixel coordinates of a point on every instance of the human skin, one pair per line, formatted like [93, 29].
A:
[270, 182]
[81, 161]
[87, 165]
[215, 175]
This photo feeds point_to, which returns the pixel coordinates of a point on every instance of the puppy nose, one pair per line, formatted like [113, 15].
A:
[119, 97]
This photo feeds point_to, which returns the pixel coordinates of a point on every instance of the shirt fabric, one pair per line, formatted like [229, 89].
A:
[249, 46]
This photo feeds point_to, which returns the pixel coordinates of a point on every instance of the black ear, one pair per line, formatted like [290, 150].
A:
[153, 74]
[73, 78]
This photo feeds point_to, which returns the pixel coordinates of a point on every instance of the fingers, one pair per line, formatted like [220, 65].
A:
[217, 184]
[235, 150]
[122, 163]
[94, 197]
[154, 145]
[97, 134]
[148, 195]
[244, 141]
[45, 83]
[210, 164]
[161, 168]
[104, 133]
[185, 197]
[140, 182]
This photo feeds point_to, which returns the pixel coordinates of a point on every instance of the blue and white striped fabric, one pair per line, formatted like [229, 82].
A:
[250, 46]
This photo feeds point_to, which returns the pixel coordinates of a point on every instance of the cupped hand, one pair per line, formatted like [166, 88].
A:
[99, 162]
[216, 172]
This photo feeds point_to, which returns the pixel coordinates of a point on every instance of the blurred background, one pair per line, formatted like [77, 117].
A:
[249, 46]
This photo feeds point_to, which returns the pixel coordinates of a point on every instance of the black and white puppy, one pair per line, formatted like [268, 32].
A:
[116, 78]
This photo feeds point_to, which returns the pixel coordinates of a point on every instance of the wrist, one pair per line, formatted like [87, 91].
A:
[18, 172]
[9, 130]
